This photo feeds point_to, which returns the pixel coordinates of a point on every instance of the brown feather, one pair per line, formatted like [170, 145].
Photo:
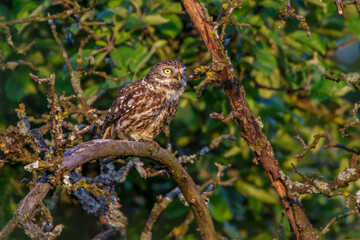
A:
[144, 108]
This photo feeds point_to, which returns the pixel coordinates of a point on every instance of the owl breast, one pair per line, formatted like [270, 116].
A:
[149, 118]
[144, 108]
[154, 124]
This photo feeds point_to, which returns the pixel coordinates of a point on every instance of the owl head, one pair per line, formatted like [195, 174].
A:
[168, 72]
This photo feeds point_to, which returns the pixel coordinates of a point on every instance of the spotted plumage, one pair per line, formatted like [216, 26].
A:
[144, 108]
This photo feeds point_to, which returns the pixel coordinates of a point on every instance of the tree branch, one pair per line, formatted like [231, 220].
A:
[337, 218]
[159, 207]
[250, 129]
[104, 148]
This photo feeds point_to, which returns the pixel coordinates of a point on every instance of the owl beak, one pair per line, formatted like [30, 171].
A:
[178, 76]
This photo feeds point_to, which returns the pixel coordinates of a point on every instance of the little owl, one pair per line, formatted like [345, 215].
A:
[144, 108]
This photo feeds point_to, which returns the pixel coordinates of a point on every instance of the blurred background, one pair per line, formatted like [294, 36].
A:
[280, 68]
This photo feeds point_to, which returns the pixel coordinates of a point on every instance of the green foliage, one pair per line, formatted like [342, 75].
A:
[219, 209]
[173, 27]
[281, 70]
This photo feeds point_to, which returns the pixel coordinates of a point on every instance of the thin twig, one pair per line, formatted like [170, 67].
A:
[337, 218]
[214, 143]
[159, 207]
[355, 122]
[350, 78]
[12, 65]
[331, 143]
[11, 43]
[75, 77]
[288, 11]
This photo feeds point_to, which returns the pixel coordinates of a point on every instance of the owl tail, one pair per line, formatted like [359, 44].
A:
[108, 133]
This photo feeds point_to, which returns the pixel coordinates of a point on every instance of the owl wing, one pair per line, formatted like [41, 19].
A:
[130, 97]
[124, 103]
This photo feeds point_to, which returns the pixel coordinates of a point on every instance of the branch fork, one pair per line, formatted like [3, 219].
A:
[225, 118]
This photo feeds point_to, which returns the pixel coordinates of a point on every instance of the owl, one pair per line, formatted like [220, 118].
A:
[144, 108]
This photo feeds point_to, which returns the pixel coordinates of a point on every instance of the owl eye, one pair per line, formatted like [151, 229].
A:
[167, 70]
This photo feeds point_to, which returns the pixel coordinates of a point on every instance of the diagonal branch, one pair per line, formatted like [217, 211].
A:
[250, 129]
[161, 204]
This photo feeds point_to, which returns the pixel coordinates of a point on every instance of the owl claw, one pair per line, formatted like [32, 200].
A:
[154, 146]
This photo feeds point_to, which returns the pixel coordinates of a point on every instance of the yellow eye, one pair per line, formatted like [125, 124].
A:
[167, 70]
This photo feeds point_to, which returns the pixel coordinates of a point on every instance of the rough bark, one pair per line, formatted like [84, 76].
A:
[250, 129]
[103, 148]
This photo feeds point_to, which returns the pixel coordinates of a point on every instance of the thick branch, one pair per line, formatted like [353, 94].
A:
[250, 129]
[100, 148]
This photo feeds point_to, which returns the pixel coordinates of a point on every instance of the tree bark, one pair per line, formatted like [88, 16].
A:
[250, 129]
[102, 148]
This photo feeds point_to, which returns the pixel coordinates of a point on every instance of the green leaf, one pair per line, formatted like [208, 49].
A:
[255, 20]
[24, 10]
[37, 12]
[188, 50]
[314, 41]
[265, 61]
[105, 16]
[264, 236]
[219, 209]
[272, 5]
[176, 209]
[137, 56]
[354, 25]
[190, 237]
[114, 3]
[23, 13]
[143, 72]
[18, 85]
[36, 58]
[137, 3]
[158, 44]
[101, 43]
[121, 56]
[74, 29]
[122, 37]
[134, 22]
[173, 27]
[322, 88]
[173, 8]
[93, 89]
[140, 60]
[231, 230]
[252, 191]
[154, 20]
[4, 13]
[86, 53]
[120, 11]
[117, 72]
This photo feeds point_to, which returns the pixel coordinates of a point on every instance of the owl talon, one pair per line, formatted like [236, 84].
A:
[154, 146]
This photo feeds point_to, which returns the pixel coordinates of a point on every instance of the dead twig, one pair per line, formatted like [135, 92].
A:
[331, 143]
[75, 76]
[159, 207]
[337, 218]
[355, 122]
[351, 78]
[288, 11]
[214, 143]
